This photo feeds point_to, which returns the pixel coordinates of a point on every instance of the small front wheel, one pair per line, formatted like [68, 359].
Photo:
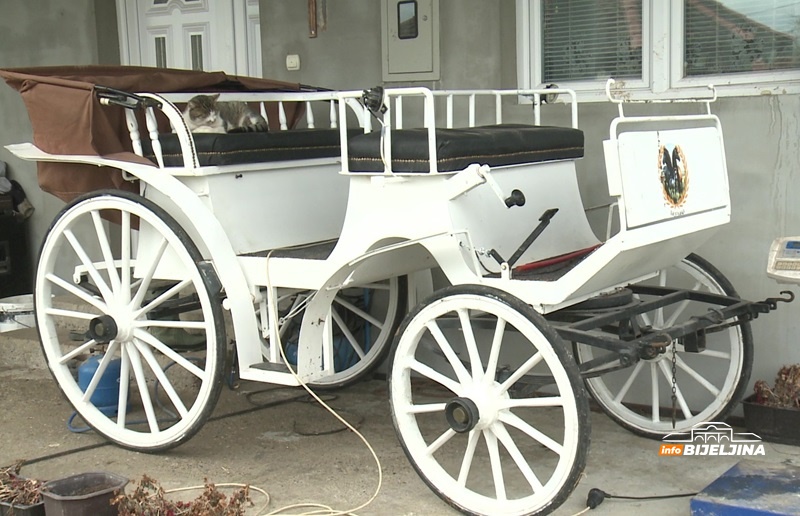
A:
[488, 403]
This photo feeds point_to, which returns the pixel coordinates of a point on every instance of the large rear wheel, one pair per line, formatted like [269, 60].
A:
[130, 320]
[708, 384]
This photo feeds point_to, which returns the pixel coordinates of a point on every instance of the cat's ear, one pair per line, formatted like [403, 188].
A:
[214, 97]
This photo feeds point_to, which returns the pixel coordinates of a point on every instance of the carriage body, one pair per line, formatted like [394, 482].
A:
[316, 241]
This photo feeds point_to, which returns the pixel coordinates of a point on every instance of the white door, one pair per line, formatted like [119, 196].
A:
[208, 35]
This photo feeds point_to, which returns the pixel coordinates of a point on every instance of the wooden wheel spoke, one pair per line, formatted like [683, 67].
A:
[469, 454]
[697, 376]
[105, 248]
[508, 442]
[124, 386]
[544, 401]
[164, 382]
[497, 466]
[494, 352]
[179, 324]
[627, 385]
[73, 314]
[163, 297]
[679, 309]
[150, 340]
[78, 292]
[347, 333]
[426, 408]
[100, 371]
[80, 350]
[520, 424]
[709, 353]
[436, 376]
[687, 413]
[655, 399]
[358, 311]
[440, 441]
[445, 347]
[125, 252]
[476, 368]
[144, 391]
[522, 371]
[88, 264]
[144, 284]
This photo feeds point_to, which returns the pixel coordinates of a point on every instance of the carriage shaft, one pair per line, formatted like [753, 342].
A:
[607, 329]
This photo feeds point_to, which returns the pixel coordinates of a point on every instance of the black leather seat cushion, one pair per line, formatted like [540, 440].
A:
[238, 148]
[495, 145]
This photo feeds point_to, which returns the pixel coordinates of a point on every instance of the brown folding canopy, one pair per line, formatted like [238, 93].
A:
[67, 117]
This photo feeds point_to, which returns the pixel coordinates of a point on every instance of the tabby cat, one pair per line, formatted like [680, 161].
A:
[205, 114]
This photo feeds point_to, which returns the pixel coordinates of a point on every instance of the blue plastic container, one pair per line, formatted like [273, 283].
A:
[106, 395]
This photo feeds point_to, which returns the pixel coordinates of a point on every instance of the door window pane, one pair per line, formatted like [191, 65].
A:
[730, 36]
[161, 52]
[590, 39]
[197, 51]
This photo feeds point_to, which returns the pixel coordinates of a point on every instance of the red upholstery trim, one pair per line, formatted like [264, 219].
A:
[556, 259]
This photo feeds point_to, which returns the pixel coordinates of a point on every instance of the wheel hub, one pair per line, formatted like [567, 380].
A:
[462, 414]
[103, 329]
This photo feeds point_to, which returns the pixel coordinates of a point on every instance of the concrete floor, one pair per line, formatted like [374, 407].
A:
[266, 448]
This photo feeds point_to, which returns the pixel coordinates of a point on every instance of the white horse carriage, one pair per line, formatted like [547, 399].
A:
[303, 255]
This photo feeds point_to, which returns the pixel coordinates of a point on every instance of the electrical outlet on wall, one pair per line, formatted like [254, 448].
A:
[292, 62]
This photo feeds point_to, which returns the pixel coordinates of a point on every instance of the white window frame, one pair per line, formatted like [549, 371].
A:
[662, 60]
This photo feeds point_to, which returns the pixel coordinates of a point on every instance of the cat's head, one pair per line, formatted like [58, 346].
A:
[202, 111]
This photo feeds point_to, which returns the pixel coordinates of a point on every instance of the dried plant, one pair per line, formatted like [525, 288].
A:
[16, 490]
[786, 392]
[148, 499]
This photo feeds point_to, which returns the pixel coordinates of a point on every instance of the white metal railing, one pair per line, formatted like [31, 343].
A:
[280, 99]
[471, 96]
[394, 118]
[263, 99]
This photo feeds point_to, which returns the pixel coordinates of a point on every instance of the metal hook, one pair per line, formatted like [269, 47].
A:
[773, 301]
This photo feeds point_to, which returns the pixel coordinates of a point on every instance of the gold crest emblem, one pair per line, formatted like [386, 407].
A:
[674, 174]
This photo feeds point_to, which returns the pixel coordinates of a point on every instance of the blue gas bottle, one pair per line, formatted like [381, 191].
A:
[106, 395]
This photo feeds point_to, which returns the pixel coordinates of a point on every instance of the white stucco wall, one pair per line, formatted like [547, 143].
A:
[40, 33]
